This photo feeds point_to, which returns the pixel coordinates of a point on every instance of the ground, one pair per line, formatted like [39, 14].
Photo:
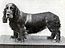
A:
[31, 40]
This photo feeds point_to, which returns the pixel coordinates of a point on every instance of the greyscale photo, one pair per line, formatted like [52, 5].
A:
[32, 23]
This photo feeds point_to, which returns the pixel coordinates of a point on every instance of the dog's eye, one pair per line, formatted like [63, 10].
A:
[11, 7]
[6, 7]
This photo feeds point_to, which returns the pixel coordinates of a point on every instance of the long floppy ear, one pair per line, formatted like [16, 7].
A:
[17, 12]
[4, 16]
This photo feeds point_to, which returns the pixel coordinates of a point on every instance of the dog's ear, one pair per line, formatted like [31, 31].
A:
[17, 12]
[4, 16]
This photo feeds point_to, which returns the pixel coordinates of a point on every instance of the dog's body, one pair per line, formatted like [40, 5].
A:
[41, 20]
[34, 23]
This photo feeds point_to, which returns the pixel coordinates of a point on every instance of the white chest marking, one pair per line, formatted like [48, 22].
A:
[28, 18]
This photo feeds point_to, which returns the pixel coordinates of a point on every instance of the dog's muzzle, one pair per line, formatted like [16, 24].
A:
[8, 15]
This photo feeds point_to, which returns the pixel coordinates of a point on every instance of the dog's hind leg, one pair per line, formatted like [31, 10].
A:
[54, 28]
[55, 33]
[50, 27]
[58, 36]
[52, 36]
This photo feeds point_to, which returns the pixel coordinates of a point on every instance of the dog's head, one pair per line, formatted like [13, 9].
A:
[11, 11]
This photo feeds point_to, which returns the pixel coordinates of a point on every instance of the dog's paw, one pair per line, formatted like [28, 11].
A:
[57, 40]
[49, 37]
[13, 37]
[19, 39]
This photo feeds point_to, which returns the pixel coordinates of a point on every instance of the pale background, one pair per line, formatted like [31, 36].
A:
[35, 6]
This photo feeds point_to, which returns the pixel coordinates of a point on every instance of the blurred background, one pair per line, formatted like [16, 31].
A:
[35, 6]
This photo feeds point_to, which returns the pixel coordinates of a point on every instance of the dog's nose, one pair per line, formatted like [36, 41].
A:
[8, 14]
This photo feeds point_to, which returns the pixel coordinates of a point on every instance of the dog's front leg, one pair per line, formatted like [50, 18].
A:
[21, 34]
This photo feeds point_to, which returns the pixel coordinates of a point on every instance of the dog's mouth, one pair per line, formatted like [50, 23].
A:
[9, 15]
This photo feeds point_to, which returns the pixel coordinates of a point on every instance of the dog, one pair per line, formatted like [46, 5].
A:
[16, 21]
[33, 22]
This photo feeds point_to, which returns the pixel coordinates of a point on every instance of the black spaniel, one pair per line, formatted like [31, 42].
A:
[33, 22]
